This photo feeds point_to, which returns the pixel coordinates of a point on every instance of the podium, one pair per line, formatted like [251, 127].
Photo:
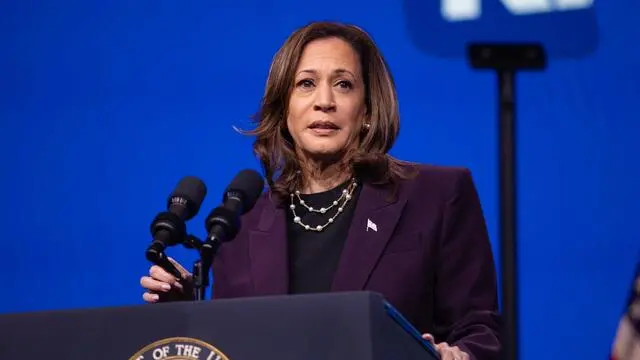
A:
[348, 325]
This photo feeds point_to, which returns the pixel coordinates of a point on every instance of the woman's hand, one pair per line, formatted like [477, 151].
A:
[162, 286]
[447, 352]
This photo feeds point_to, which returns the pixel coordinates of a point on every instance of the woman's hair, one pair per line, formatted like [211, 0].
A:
[369, 160]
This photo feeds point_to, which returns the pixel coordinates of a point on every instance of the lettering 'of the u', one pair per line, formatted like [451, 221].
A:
[567, 28]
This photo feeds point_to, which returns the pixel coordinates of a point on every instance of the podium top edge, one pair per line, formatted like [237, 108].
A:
[329, 296]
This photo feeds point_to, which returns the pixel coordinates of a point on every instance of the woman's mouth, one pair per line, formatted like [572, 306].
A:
[324, 125]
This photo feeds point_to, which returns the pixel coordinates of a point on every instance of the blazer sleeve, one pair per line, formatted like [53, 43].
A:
[466, 299]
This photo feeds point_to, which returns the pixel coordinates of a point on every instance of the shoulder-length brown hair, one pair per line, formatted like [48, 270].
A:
[368, 160]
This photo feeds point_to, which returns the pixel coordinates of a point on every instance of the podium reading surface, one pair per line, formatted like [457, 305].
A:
[348, 325]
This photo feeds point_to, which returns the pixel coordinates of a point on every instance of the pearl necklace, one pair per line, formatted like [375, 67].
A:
[345, 197]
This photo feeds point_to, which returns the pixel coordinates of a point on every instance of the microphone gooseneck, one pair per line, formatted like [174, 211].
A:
[168, 228]
[223, 223]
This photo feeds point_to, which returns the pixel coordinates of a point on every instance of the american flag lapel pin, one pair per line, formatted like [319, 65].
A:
[371, 225]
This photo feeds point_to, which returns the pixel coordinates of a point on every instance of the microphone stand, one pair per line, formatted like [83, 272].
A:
[201, 266]
[506, 60]
[177, 234]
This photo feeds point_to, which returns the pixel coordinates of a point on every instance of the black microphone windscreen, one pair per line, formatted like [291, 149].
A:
[191, 190]
[250, 184]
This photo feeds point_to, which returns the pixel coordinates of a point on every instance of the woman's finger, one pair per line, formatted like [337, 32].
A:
[429, 338]
[161, 274]
[150, 298]
[152, 284]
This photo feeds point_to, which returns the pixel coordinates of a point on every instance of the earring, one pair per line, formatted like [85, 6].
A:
[367, 126]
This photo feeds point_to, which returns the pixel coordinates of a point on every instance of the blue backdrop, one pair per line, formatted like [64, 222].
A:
[105, 105]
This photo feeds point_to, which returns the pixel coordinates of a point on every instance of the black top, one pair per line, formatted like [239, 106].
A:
[314, 255]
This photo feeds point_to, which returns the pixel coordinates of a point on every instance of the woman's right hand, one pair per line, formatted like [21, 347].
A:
[161, 286]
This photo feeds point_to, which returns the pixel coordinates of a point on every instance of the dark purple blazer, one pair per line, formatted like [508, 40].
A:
[430, 257]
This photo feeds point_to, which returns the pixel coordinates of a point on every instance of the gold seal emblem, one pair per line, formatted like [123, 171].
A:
[179, 348]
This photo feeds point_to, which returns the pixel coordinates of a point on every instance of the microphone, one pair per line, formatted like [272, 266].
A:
[223, 223]
[168, 228]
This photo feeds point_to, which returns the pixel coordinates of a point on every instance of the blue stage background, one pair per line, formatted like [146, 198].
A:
[104, 106]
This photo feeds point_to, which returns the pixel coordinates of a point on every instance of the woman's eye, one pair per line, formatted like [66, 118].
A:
[306, 83]
[345, 84]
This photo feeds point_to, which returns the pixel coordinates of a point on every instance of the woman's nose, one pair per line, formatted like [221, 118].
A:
[324, 100]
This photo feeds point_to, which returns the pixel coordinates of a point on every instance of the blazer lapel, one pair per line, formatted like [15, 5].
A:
[373, 224]
[268, 252]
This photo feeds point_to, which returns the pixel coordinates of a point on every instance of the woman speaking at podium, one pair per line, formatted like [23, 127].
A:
[341, 214]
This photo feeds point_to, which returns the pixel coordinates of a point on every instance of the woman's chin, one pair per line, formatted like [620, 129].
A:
[322, 147]
[323, 152]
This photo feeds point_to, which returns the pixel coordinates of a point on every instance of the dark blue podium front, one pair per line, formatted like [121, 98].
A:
[349, 325]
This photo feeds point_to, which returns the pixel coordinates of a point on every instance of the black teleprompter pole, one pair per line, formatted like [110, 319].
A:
[506, 60]
[508, 226]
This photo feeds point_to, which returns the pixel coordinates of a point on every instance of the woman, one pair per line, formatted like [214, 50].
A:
[341, 214]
